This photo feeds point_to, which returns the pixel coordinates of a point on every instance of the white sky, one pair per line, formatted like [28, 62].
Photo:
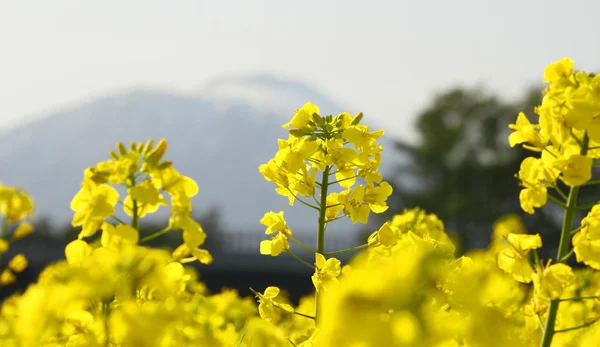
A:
[386, 58]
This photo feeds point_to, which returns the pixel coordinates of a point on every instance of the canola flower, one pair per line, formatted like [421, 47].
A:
[405, 286]
[320, 153]
[16, 214]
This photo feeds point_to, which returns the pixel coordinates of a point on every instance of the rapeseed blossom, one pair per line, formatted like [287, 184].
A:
[406, 286]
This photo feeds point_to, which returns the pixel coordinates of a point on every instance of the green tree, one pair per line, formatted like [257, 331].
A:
[462, 168]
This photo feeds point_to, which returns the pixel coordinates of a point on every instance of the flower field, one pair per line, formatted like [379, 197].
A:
[405, 286]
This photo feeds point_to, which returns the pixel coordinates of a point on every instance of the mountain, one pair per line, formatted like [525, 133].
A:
[219, 138]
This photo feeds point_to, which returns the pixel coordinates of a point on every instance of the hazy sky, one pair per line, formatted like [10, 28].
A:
[386, 58]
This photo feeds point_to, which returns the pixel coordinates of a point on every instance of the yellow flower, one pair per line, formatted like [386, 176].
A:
[15, 204]
[4, 246]
[193, 237]
[353, 201]
[18, 263]
[171, 181]
[576, 170]
[525, 132]
[92, 204]
[514, 258]
[153, 156]
[23, 230]
[116, 237]
[558, 70]
[304, 185]
[387, 236]
[302, 116]
[275, 224]
[147, 197]
[586, 242]
[553, 279]
[376, 197]
[326, 272]
[267, 304]
[335, 207]
[361, 138]
[294, 152]
[7, 277]
[77, 252]
[369, 166]
[342, 158]
[202, 255]
[531, 175]
[274, 247]
[509, 224]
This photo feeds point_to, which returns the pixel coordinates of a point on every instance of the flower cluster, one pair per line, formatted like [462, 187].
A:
[406, 286]
[567, 134]
[147, 178]
[16, 210]
[337, 147]
[568, 137]
[320, 154]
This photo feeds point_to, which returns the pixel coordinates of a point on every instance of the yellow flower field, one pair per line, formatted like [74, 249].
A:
[405, 286]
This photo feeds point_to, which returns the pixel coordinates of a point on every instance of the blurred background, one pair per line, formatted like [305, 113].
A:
[218, 79]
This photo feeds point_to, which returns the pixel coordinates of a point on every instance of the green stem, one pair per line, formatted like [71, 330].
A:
[561, 193]
[4, 230]
[242, 339]
[567, 256]
[577, 327]
[563, 250]
[304, 315]
[118, 220]
[301, 244]
[540, 321]
[342, 180]
[347, 250]
[556, 201]
[536, 258]
[322, 225]
[300, 259]
[334, 219]
[135, 219]
[155, 235]
[587, 206]
[302, 201]
[580, 298]
[592, 182]
[315, 199]
[579, 142]
[323, 213]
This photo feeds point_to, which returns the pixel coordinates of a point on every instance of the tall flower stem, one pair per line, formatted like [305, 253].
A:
[563, 250]
[322, 224]
[135, 219]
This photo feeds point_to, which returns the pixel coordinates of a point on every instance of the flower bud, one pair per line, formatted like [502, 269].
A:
[18, 263]
[114, 155]
[3, 246]
[122, 148]
[317, 119]
[357, 119]
[297, 132]
[7, 277]
[23, 230]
